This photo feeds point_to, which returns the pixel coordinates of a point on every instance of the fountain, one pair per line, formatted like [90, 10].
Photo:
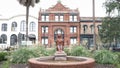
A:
[61, 60]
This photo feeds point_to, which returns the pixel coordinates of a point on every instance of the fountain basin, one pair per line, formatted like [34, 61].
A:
[71, 62]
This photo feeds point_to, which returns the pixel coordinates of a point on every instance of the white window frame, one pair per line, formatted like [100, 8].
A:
[73, 40]
[56, 18]
[61, 18]
[75, 18]
[73, 29]
[44, 29]
[44, 41]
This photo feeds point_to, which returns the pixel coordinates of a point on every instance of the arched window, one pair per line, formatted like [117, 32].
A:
[92, 28]
[13, 39]
[59, 31]
[99, 27]
[85, 28]
[14, 26]
[23, 26]
[3, 38]
[32, 26]
[4, 27]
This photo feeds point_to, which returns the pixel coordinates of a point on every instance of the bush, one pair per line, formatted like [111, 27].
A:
[6, 64]
[3, 56]
[105, 57]
[50, 51]
[67, 51]
[24, 53]
[79, 51]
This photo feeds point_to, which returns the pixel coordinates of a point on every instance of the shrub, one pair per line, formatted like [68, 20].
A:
[105, 57]
[6, 64]
[23, 54]
[3, 56]
[79, 51]
[50, 51]
[67, 51]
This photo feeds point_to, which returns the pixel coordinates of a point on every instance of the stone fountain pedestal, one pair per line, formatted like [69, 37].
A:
[60, 56]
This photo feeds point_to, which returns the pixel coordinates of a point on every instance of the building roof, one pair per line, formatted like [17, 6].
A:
[59, 8]
[22, 15]
[90, 19]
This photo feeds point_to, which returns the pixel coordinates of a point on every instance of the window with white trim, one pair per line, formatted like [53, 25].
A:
[4, 27]
[32, 27]
[73, 18]
[45, 17]
[61, 18]
[14, 26]
[23, 26]
[44, 40]
[73, 29]
[73, 40]
[44, 29]
[56, 18]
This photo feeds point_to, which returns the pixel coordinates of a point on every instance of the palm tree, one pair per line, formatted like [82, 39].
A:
[27, 4]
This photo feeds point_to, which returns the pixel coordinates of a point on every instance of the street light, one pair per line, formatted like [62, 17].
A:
[94, 35]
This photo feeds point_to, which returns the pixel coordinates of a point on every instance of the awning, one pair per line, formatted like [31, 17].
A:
[31, 36]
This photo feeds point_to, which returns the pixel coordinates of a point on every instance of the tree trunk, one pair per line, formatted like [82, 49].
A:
[27, 15]
[115, 42]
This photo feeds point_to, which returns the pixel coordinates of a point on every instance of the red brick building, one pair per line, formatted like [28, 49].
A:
[59, 19]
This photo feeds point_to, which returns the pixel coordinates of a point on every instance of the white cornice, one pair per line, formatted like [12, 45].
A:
[6, 19]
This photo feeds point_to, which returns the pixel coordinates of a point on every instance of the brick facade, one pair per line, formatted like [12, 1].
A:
[53, 25]
[60, 10]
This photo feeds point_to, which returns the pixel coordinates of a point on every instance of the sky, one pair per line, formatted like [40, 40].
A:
[9, 8]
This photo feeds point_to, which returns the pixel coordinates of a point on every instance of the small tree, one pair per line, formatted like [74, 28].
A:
[110, 31]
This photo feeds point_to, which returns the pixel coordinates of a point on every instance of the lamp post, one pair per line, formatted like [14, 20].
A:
[94, 35]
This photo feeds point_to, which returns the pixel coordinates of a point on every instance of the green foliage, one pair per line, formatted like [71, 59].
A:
[51, 51]
[23, 54]
[118, 53]
[79, 51]
[3, 56]
[67, 51]
[111, 6]
[105, 57]
[6, 64]
[110, 31]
